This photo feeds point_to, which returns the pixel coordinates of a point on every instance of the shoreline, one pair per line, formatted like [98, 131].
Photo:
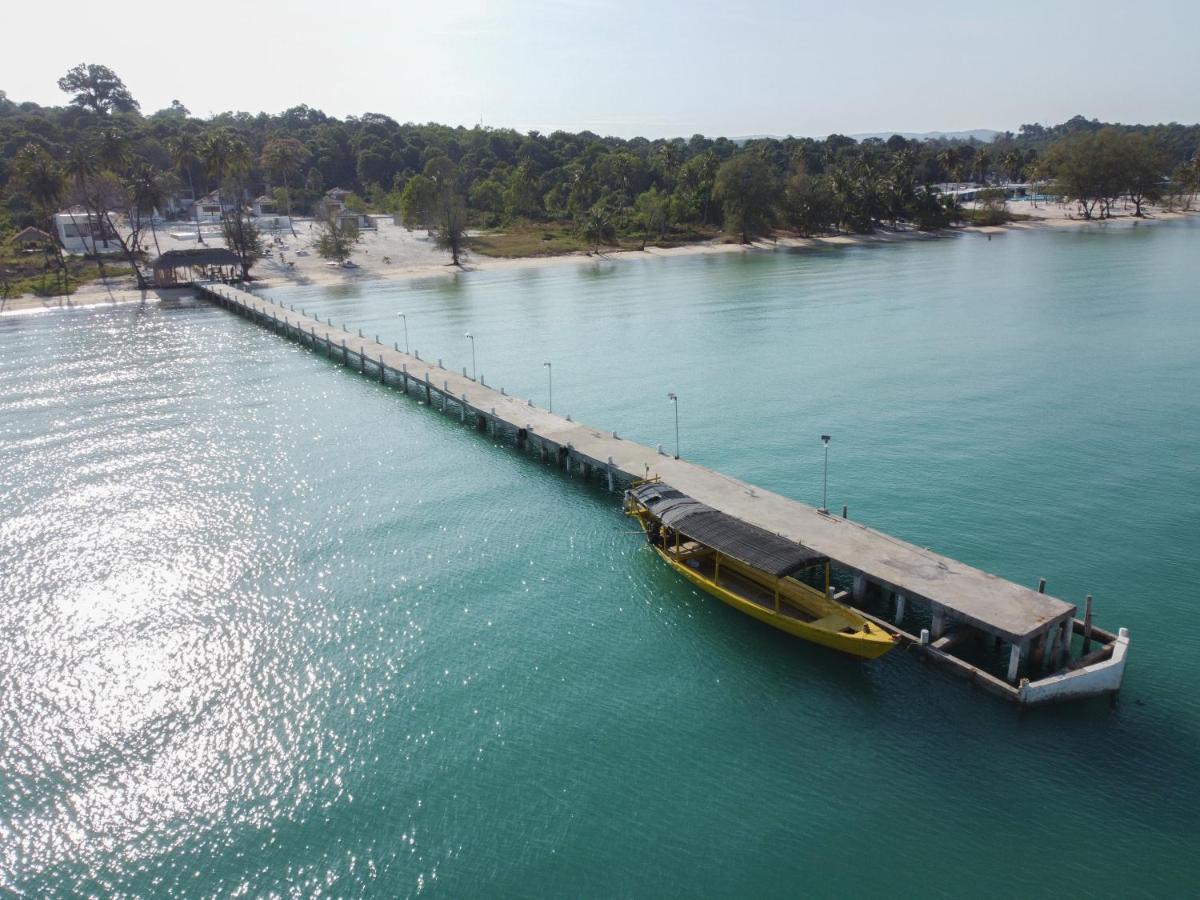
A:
[422, 261]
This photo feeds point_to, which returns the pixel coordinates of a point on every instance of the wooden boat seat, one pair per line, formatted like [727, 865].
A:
[833, 622]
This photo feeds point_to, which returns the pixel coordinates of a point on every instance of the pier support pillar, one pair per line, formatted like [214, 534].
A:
[859, 591]
[1087, 624]
[1014, 663]
[1064, 643]
[899, 608]
[938, 625]
[1041, 652]
[428, 398]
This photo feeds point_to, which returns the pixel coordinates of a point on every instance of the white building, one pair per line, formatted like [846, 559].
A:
[81, 232]
[207, 208]
[264, 206]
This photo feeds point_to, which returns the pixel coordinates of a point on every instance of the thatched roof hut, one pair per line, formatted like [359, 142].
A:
[176, 267]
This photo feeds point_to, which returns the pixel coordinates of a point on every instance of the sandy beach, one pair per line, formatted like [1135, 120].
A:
[393, 252]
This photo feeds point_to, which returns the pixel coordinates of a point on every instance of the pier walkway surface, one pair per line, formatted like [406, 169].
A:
[955, 592]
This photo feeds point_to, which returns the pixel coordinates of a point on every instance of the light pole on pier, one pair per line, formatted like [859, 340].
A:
[550, 384]
[471, 338]
[674, 399]
[405, 318]
[825, 489]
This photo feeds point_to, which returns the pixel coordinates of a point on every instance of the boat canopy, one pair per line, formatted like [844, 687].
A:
[754, 546]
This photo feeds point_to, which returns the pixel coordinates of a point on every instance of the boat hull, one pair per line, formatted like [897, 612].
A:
[866, 646]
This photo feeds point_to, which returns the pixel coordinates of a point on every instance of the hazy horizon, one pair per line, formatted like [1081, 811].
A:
[615, 68]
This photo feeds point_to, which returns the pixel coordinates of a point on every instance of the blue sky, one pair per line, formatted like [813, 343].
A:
[626, 68]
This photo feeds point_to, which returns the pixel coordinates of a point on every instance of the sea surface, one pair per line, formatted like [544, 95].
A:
[268, 628]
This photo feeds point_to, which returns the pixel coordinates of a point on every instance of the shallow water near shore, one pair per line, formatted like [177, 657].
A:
[267, 626]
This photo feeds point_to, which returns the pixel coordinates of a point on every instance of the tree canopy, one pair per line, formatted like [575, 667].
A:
[97, 88]
[601, 187]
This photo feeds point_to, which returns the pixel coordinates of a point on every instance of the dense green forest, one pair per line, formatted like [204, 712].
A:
[99, 149]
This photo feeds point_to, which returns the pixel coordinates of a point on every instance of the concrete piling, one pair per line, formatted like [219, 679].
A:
[1087, 624]
[1014, 663]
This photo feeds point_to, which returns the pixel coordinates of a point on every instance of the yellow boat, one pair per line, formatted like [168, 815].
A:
[756, 572]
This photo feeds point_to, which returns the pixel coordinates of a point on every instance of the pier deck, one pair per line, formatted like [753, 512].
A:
[955, 592]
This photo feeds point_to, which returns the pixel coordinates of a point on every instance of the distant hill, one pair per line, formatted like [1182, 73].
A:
[984, 135]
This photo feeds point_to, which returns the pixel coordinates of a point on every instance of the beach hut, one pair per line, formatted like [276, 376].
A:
[180, 267]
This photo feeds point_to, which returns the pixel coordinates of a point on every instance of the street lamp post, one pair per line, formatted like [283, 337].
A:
[550, 384]
[471, 338]
[405, 318]
[825, 489]
[674, 399]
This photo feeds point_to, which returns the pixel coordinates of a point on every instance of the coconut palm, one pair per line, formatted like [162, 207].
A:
[81, 168]
[226, 158]
[284, 157]
[45, 183]
[185, 156]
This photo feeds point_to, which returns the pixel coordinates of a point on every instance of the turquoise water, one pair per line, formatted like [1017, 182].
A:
[267, 627]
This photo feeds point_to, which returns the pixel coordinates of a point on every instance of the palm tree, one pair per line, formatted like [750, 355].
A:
[185, 155]
[948, 159]
[146, 195]
[45, 184]
[112, 151]
[225, 156]
[284, 157]
[81, 168]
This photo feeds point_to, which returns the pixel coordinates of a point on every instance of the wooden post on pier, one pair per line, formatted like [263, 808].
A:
[1087, 624]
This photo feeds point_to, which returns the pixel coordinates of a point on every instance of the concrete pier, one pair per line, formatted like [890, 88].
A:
[958, 598]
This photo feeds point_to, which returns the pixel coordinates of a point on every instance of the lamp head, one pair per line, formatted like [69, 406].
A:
[825, 439]
[546, 364]
[469, 335]
[671, 396]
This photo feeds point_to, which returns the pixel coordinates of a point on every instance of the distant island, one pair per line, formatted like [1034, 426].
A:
[102, 171]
